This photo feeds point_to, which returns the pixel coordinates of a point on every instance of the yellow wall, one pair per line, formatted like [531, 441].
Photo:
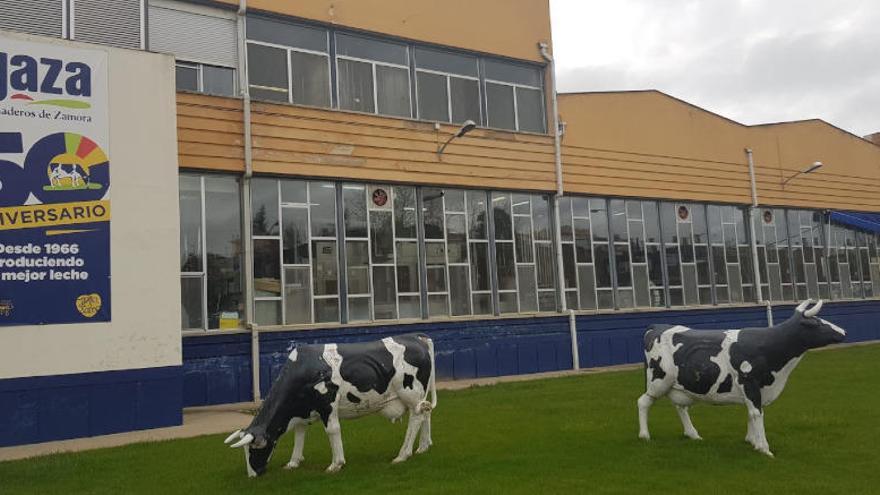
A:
[648, 144]
[503, 27]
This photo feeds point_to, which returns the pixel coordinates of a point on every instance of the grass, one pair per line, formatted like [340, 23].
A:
[575, 434]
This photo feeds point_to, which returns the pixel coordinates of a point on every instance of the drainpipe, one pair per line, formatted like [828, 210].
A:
[755, 262]
[246, 200]
[557, 157]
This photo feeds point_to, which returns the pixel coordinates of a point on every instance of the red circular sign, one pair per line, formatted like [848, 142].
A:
[683, 212]
[380, 197]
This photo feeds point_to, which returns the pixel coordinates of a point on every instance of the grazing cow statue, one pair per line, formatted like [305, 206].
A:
[329, 382]
[748, 366]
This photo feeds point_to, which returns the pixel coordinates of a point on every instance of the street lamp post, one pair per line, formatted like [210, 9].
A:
[465, 128]
[812, 168]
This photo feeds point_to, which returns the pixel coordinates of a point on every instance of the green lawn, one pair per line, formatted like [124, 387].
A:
[573, 435]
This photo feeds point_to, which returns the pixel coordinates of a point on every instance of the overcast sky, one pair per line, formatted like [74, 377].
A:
[754, 61]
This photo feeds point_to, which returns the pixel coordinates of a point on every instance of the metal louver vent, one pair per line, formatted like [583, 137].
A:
[195, 37]
[43, 17]
[109, 22]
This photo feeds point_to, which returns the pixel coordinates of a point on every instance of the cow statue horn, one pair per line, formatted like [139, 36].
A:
[802, 306]
[814, 310]
[230, 438]
[243, 442]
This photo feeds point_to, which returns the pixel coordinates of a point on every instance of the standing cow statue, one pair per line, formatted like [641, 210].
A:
[329, 382]
[748, 366]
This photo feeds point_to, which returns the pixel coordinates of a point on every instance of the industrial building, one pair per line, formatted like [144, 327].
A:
[319, 171]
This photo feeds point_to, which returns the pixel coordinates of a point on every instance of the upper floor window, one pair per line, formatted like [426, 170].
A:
[204, 78]
[448, 86]
[514, 97]
[288, 63]
[373, 76]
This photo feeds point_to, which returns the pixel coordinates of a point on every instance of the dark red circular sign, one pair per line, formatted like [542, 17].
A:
[768, 216]
[683, 212]
[380, 197]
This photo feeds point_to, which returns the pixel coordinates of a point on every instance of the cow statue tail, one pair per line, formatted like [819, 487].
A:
[426, 406]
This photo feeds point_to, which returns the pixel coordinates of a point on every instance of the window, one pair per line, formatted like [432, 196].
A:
[373, 76]
[288, 62]
[210, 255]
[514, 96]
[448, 86]
[203, 78]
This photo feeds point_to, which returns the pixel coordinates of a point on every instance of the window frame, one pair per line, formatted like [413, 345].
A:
[514, 86]
[373, 65]
[448, 78]
[199, 67]
[289, 68]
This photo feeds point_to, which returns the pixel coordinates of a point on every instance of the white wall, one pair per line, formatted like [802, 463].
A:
[145, 267]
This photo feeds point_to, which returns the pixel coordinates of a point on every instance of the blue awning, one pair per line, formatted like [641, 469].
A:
[864, 221]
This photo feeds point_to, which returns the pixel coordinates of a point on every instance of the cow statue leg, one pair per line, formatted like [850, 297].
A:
[645, 402]
[299, 440]
[334, 433]
[425, 435]
[416, 418]
[689, 430]
[756, 419]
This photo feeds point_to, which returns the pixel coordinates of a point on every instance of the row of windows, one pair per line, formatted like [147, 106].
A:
[343, 252]
[309, 65]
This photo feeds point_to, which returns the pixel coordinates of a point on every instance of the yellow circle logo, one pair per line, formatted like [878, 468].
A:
[88, 304]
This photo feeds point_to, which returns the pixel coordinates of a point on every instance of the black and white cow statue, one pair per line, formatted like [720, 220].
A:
[329, 382]
[748, 366]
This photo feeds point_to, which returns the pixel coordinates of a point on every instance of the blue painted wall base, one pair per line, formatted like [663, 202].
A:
[46, 408]
[217, 368]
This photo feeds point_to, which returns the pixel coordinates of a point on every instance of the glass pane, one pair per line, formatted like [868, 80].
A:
[499, 70]
[392, 91]
[566, 228]
[636, 242]
[264, 200]
[453, 200]
[323, 208]
[358, 309]
[384, 295]
[652, 222]
[541, 217]
[544, 259]
[432, 213]
[296, 236]
[625, 298]
[689, 278]
[685, 243]
[698, 217]
[187, 78]
[438, 305]
[267, 312]
[285, 33]
[655, 265]
[523, 232]
[522, 204]
[528, 297]
[326, 310]
[311, 79]
[294, 191]
[223, 229]
[371, 49]
[702, 258]
[407, 267]
[325, 268]
[673, 274]
[718, 265]
[355, 80]
[297, 296]
[357, 262]
[623, 269]
[218, 80]
[382, 237]
[435, 253]
[569, 269]
[267, 268]
[501, 214]
[433, 99]
[267, 71]
[479, 267]
[507, 302]
[405, 212]
[587, 287]
[618, 220]
[603, 265]
[505, 265]
[190, 190]
[599, 220]
[191, 303]
[354, 212]
[500, 106]
[582, 242]
[456, 238]
[458, 290]
[605, 299]
[640, 286]
[454, 63]
[482, 304]
[547, 300]
[477, 214]
[410, 307]
[530, 107]
[465, 99]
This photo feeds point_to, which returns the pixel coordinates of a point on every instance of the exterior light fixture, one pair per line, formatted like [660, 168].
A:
[467, 127]
[812, 168]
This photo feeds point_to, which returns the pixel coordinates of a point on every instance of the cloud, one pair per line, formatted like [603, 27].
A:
[754, 61]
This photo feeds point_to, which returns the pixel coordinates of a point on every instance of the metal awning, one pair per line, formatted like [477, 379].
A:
[864, 221]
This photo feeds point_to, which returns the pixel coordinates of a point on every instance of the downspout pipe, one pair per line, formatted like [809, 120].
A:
[557, 158]
[754, 244]
[244, 89]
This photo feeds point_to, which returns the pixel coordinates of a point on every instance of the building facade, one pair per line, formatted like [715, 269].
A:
[315, 205]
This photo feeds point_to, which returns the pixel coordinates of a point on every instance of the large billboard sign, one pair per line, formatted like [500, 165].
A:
[54, 183]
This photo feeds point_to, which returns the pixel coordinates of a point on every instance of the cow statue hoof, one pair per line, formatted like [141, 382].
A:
[644, 435]
[335, 467]
[423, 448]
[399, 459]
[748, 366]
[294, 463]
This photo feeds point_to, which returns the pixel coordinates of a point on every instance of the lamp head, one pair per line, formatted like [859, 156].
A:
[815, 166]
[467, 127]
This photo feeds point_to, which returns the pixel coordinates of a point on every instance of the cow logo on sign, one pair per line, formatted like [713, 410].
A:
[380, 197]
